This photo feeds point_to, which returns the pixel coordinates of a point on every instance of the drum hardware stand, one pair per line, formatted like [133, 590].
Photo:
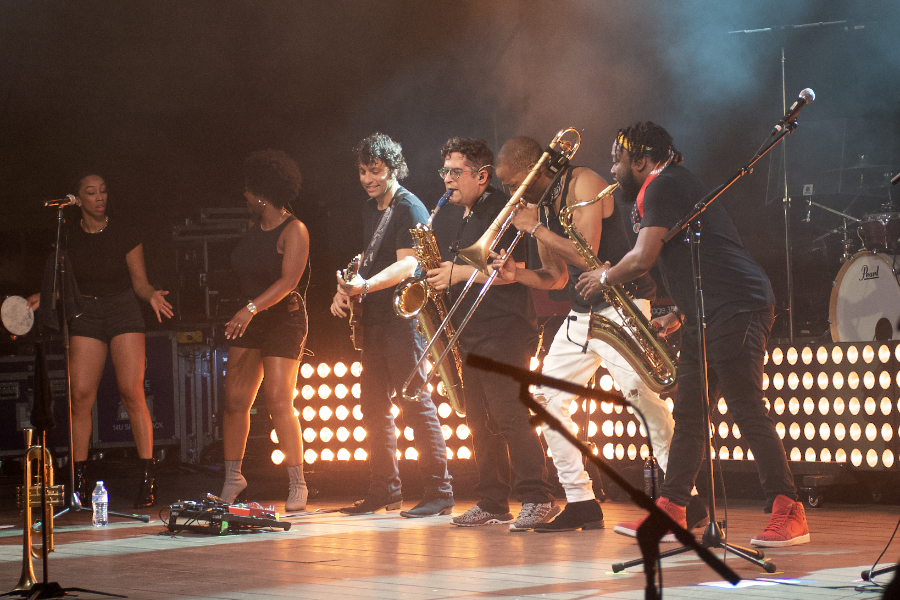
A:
[845, 241]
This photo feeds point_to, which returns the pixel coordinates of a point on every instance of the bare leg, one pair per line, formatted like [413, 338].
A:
[87, 356]
[278, 390]
[128, 357]
[242, 379]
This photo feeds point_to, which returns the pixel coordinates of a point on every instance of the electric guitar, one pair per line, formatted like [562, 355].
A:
[356, 331]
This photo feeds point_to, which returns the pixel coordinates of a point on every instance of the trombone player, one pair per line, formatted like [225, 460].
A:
[504, 325]
[573, 356]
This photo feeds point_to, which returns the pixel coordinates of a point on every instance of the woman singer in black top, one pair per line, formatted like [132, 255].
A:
[107, 261]
[267, 337]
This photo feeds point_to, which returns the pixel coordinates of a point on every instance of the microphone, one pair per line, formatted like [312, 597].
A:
[806, 96]
[808, 210]
[69, 199]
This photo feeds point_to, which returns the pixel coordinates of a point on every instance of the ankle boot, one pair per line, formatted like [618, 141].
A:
[234, 481]
[298, 492]
[146, 496]
[81, 484]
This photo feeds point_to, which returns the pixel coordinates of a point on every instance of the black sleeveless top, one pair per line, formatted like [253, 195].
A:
[256, 260]
[614, 245]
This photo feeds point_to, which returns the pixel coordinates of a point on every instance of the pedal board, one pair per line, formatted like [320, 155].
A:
[217, 518]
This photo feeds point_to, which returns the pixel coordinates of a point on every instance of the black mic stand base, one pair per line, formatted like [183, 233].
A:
[713, 537]
[54, 590]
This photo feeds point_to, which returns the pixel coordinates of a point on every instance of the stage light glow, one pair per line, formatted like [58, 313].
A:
[343, 454]
[723, 452]
[777, 356]
[343, 434]
[872, 458]
[607, 407]
[884, 380]
[765, 382]
[852, 355]
[810, 455]
[839, 432]
[607, 428]
[573, 407]
[309, 413]
[357, 412]
[273, 435]
[619, 428]
[824, 405]
[606, 383]
[341, 391]
[464, 453]
[870, 406]
[620, 451]
[323, 370]
[854, 405]
[887, 432]
[855, 432]
[609, 451]
[885, 406]
[446, 432]
[887, 459]
[822, 355]
[792, 355]
[325, 434]
[840, 456]
[778, 381]
[808, 405]
[825, 455]
[853, 380]
[296, 413]
[778, 406]
[795, 454]
[794, 406]
[632, 452]
[395, 410]
[809, 432]
[794, 431]
[296, 393]
[884, 354]
[355, 390]
[449, 454]
[822, 381]
[309, 434]
[444, 410]
[411, 453]
[356, 369]
[806, 355]
[534, 363]
[306, 370]
[779, 429]
[324, 392]
[409, 434]
[340, 369]
[738, 453]
[325, 413]
[838, 406]
[869, 380]
[868, 354]
[277, 456]
[723, 430]
[341, 412]
[837, 355]
[793, 380]
[749, 454]
[397, 433]
[359, 454]
[736, 431]
[631, 428]
[359, 434]
[308, 392]
[310, 456]
[871, 432]
[327, 455]
[592, 429]
[721, 406]
[808, 380]
[824, 431]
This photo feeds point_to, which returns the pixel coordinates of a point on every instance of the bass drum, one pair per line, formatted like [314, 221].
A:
[865, 300]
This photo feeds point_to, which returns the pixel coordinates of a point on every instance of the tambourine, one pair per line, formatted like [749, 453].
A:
[16, 318]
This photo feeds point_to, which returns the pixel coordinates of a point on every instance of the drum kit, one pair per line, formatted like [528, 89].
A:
[865, 297]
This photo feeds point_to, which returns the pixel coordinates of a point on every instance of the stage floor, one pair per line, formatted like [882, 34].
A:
[329, 556]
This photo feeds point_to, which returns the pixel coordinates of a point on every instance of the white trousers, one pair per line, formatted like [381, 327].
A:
[566, 360]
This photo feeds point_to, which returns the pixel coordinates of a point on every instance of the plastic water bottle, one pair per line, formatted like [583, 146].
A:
[100, 502]
[651, 477]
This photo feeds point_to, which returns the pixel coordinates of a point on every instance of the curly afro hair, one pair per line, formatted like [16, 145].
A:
[477, 152]
[273, 175]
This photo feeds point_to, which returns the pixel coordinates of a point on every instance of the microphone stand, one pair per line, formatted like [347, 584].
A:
[650, 533]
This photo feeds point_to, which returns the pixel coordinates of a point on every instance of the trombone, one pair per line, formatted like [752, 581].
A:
[559, 152]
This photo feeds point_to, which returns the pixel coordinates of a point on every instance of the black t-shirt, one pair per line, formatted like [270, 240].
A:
[408, 211]
[506, 311]
[98, 259]
[732, 281]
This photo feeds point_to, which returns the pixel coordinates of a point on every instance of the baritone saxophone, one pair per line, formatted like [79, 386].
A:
[635, 341]
[413, 297]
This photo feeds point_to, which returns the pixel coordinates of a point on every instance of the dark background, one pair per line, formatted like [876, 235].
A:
[166, 98]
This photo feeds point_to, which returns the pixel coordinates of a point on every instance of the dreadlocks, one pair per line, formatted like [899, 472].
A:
[648, 139]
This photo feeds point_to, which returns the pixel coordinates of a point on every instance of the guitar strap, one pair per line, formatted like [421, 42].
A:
[369, 257]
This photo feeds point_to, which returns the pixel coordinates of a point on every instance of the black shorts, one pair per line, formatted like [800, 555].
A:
[105, 317]
[277, 331]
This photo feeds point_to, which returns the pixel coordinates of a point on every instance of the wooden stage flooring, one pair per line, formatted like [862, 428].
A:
[330, 556]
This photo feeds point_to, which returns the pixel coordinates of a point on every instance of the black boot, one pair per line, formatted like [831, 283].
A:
[81, 484]
[435, 503]
[586, 514]
[147, 487]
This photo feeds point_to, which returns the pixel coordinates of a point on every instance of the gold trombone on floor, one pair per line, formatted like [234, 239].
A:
[559, 152]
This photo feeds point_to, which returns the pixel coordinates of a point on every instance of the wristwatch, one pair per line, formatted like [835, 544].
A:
[603, 277]
[252, 308]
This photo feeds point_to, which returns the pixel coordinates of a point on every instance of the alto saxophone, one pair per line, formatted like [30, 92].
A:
[413, 297]
[635, 340]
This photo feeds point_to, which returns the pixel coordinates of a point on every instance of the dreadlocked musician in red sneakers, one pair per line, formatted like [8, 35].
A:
[738, 302]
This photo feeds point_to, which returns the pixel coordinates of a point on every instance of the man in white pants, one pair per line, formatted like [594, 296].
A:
[572, 356]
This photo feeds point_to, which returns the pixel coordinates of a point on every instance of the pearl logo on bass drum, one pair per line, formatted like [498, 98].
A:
[866, 274]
